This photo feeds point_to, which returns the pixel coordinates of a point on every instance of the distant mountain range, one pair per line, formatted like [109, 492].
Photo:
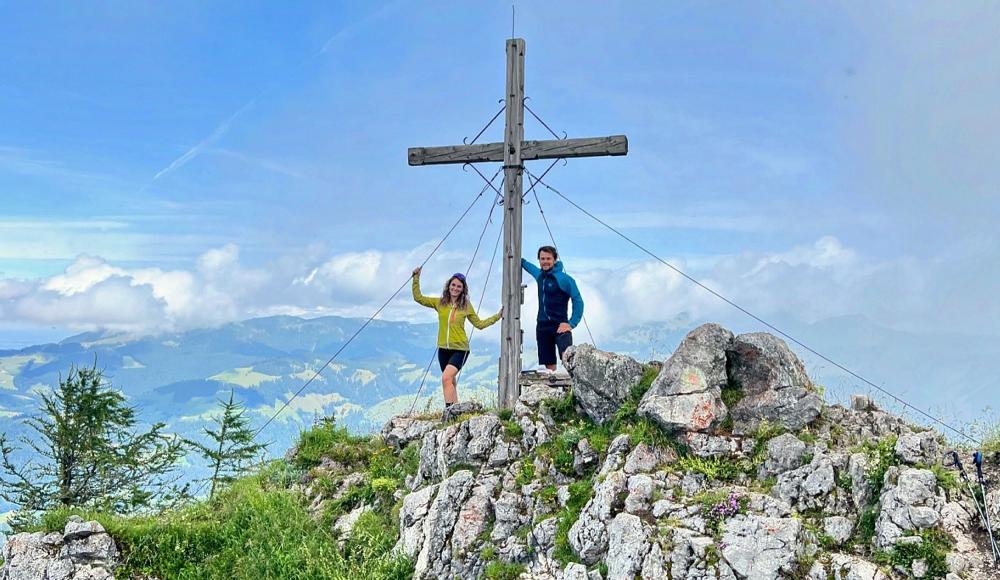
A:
[178, 378]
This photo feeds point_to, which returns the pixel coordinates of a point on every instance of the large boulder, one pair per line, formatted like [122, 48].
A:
[400, 430]
[84, 550]
[784, 453]
[589, 534]
[910, 502]
[627, 546]
[472, 442]
[602, 381]
[760, 548]
[773, 382]
[687, 394]
[434, 558]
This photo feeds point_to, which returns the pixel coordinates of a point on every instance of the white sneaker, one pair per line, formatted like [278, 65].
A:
[543, 370]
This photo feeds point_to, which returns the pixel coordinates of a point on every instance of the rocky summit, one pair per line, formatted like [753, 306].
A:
[721, 462]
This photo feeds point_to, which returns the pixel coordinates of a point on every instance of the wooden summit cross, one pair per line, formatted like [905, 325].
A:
[513, 152]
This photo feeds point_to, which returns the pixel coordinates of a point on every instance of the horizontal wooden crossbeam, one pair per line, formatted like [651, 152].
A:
[530, 150]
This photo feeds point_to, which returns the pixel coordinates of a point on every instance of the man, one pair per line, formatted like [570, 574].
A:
[554, 329]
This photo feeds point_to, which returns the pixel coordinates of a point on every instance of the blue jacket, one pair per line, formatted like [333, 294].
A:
[555, 290]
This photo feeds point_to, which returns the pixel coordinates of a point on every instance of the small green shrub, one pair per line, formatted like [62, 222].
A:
[505, 414]
[512, 430]
[548, 494]
[527, 473]
[731, 394]
[580, 493]
[497, 570]
[328, 440]
[932, 549]
[561, 410]
[946, 478]
[866, 526]
[881, 456]
[715, 468]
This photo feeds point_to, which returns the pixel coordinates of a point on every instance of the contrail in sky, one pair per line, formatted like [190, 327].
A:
[194, 151]
[223, 128]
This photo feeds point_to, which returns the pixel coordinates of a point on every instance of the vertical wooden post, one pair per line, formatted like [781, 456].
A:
[510, 343]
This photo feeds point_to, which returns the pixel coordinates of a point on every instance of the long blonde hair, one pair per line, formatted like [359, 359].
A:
[462, 302]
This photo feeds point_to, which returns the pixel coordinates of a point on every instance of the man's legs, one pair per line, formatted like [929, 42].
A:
[564, 340]
[545, 336]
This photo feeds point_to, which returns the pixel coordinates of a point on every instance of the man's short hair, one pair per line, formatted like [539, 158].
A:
[548, 250]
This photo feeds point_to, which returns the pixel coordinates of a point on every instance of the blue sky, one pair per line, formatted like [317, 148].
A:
[182, 165]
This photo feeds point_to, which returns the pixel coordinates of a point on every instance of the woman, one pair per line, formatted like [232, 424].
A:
[453, 308]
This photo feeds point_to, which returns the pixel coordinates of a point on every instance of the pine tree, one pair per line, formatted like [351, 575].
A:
[231, 444]
[89, 453]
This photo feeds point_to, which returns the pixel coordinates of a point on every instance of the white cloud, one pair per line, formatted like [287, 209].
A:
[810, 282]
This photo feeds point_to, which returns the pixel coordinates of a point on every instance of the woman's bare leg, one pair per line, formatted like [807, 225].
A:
[448, 384]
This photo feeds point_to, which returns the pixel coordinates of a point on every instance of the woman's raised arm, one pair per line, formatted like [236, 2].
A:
[428, 301]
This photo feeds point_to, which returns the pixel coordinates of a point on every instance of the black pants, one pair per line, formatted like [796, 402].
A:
[455, 358]
[549, 340]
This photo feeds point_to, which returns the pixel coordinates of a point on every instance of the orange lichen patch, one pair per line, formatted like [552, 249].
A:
[693, 380]
[703, 413]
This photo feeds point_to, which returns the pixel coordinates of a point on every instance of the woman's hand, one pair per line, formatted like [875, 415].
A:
[416, 271]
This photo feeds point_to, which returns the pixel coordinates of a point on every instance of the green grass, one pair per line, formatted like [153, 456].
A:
[259, 528]
[866, 526]
[946, 478]
[497, 570]
[721, 469]
[527, 473]
[932, 549]
[512, 430]
[250, 530]
[328, 440]
[881, 456]
[580, 493]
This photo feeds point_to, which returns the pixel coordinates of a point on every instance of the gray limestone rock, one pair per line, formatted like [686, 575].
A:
[910, 502]
[475, 516]
[913, 448]
[775, 386]
[645, 459]
[784, 453]
[617, 451]
[458, 409]
[838, 528]
[602, 381]
[687, 394]
[344, 525]
[589, 535]
[401, 430]
[807, 487]
[433, 558]
[628, 546]
[640, 494]
[84, 551]
[714, 446]
[759, 548]
[585, 457]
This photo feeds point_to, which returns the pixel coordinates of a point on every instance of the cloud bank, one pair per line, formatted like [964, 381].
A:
[809, 282]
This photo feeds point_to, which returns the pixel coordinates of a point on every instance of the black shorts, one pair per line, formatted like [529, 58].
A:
[549, 340]
[455, 358]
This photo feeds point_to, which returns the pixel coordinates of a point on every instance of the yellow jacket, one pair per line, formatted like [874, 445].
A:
[451, 320]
